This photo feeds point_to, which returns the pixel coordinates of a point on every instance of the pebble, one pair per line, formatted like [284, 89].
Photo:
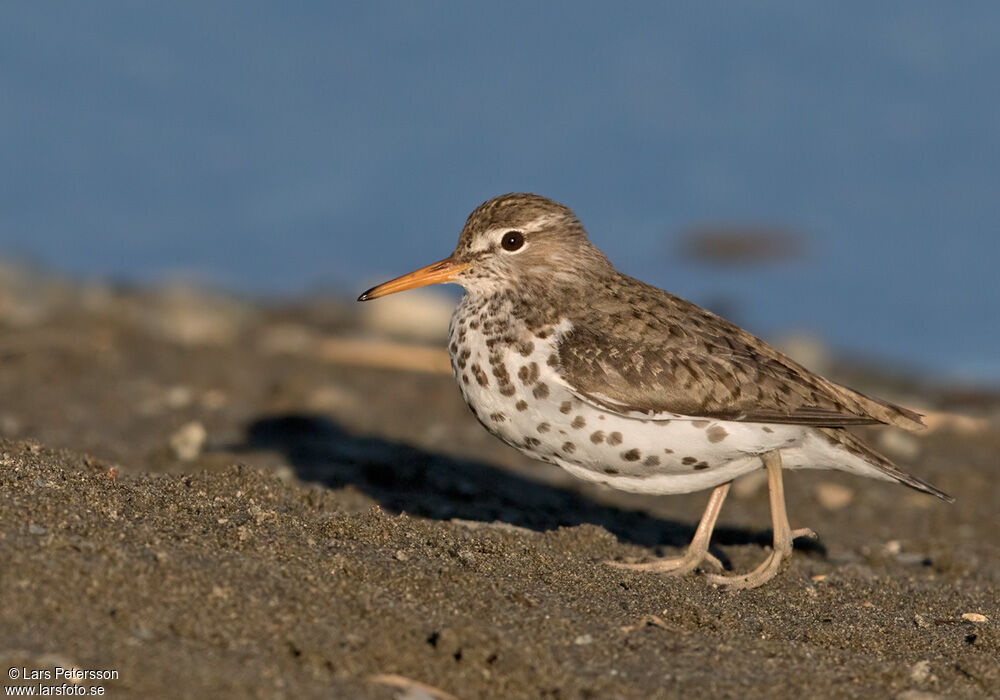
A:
[188, 442]
[177, 397]
[921, 671]
[747, 486]
[899, 444]
[583, 640]
[39, 530]
[974, 617]
[833, 496]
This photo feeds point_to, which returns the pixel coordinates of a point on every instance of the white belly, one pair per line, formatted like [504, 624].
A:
[516, 392]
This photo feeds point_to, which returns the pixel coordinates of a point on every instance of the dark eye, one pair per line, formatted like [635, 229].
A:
[512, 240]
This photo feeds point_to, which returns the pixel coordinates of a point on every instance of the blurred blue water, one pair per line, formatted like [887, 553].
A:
[278, 147]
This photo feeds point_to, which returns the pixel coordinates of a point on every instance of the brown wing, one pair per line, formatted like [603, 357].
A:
[668, 355]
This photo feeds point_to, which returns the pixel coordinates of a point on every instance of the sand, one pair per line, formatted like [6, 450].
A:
[194, 498]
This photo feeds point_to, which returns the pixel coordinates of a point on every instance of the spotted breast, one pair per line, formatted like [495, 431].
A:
[508, 375]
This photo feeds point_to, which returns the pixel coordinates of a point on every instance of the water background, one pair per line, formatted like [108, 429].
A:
[276, 148]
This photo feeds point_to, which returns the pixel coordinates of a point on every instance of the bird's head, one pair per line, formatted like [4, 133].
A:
[512, 241]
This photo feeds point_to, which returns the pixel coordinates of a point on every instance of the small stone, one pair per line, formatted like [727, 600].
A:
[899, 444]
[747, 486]
[921, 671]
[819, 577]
[974, 617]
[583, 640]
[188, 442]
[177, 397]
[284, 472]
[893, 547]
[920, 621]
[39, 530]
[833, 496]
[400, 555]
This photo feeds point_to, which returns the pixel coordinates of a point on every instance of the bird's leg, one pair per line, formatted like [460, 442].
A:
[783, 534]
[697, 551]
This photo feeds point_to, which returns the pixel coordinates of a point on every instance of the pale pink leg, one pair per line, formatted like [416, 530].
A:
[783, 534]
[697, 551]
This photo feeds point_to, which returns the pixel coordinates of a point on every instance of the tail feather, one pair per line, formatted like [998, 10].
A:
[855, 446]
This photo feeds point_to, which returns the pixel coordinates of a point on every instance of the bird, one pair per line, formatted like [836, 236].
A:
[574, 363]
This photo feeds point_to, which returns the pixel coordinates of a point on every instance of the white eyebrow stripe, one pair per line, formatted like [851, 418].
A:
[486, 240]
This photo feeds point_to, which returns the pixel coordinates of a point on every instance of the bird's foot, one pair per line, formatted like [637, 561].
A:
[767, 570]
[758, 577]
[671, 566]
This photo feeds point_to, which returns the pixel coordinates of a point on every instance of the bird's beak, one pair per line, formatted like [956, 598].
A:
[441, 271]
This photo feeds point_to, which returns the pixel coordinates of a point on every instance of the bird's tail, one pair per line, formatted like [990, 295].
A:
[849, 442]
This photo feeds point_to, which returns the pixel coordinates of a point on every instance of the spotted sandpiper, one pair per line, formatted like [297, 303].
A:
[571, 362]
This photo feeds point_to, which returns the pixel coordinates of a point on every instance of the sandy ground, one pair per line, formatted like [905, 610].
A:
[193, 497]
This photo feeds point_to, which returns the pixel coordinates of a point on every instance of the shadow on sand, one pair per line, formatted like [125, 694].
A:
[404, 478]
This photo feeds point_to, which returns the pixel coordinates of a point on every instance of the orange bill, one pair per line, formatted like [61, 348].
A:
[436, 273]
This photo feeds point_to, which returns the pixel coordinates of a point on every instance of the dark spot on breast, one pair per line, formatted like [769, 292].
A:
[716, 433]
[579, 422]
[522, 374]
[498, 417]
[465, 378]
[700, 423]
[689, 460]
[553, 360]
[615, 438]
[632, 455]
[597, 438]
[544, 427]
[701, 465]
[541, 391]
[532, 441]
[480, 375]
[568, 448]
[526, 348]
[767, 430]
[609, 470]
[508, 390]
[652, 461]
[474, 324]
[566, 407]
[667, 450]
[453, 347]
[521, 405]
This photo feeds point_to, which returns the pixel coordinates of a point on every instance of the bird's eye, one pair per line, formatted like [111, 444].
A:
[512, 240]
